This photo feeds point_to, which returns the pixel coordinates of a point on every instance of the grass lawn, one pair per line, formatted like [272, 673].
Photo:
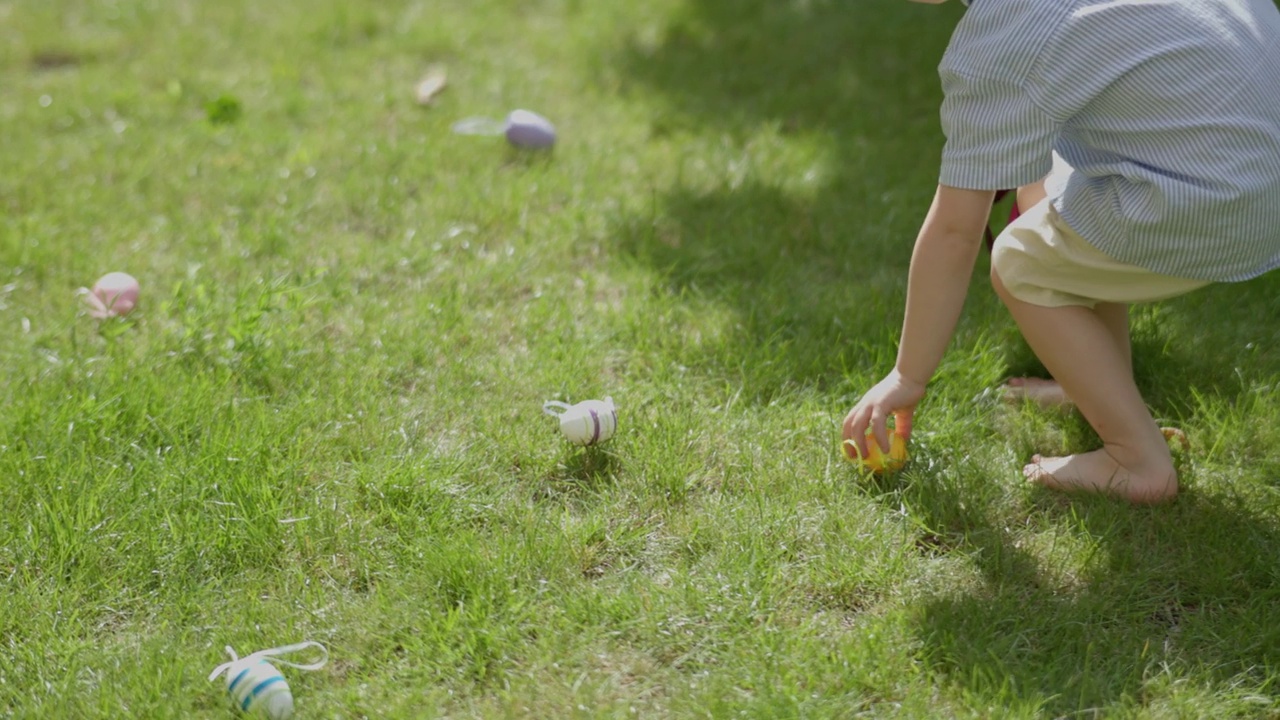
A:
[325, 419]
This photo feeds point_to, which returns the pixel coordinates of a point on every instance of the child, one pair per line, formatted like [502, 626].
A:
[1167, 113]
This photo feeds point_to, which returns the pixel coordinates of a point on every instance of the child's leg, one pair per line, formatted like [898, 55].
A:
[1081, 349]
[1116, 317]
[1049, 393]
[1046, 393]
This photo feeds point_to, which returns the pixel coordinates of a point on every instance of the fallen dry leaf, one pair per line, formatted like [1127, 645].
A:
[432, 84]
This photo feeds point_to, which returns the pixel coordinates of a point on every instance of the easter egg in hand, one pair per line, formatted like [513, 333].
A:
[876, 460]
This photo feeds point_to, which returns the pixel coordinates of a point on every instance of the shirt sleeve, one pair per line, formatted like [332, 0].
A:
[997, 137]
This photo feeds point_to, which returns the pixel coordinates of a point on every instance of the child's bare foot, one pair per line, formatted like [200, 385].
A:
[1098, 472]
[1045, 393]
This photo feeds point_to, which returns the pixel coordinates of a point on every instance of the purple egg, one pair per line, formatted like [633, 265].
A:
[530, 130]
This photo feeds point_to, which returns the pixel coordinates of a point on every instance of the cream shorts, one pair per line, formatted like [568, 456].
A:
[1042, 261]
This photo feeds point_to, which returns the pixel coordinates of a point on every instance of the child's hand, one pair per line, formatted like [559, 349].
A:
[894, 395]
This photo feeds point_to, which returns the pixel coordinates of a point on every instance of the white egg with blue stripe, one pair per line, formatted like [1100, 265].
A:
[257, 687]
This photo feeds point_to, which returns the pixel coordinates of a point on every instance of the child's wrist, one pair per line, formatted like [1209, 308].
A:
[910, 379]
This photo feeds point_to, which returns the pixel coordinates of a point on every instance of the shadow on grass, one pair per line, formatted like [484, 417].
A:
[584, 473]
[1190, 589]
[804, 275]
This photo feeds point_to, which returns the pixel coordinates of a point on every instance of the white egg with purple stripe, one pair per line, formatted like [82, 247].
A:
[257, 687]
[587, 423]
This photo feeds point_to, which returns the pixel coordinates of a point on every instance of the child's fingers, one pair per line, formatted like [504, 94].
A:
[878, 419]
[855, 429]
[902, 420]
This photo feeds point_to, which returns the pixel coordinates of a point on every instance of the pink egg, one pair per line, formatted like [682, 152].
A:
[114, 294]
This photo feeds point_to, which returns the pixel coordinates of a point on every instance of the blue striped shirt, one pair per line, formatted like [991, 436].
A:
[1169, 111]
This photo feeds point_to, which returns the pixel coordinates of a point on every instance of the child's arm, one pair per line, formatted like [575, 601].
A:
[941, 267]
